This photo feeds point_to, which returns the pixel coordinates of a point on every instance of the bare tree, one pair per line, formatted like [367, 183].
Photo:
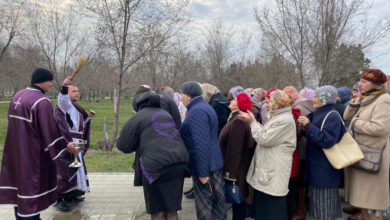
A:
[218, 52]
[57, 32]
[129, 29]
[284, 29]
[308, 32]
[10, 21]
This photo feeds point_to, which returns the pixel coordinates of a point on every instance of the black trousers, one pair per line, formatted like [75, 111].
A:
[239, 211]
[35, 217]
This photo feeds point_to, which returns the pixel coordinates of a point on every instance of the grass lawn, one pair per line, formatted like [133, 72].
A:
[96, 161]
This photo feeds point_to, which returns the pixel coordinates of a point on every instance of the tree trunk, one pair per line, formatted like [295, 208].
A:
[117, 94]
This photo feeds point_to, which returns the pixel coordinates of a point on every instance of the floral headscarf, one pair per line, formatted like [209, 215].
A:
[280, 99]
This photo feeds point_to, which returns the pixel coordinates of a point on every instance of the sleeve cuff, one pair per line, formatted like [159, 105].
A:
[64, 90]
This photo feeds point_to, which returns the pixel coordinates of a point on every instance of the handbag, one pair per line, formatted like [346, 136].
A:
[346, 152]
[233, 193]
[372, 160]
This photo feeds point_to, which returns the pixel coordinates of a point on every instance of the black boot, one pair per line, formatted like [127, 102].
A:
[62, 206]
[74, 199]
[190, 195]
[189, 191]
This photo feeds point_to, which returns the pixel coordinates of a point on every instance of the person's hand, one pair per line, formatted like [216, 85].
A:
[72, 148]
[204, 180]
[303, 120]
[92, 113]
[247, 116]
[67, 81]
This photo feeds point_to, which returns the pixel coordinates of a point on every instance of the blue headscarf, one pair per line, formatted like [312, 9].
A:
[345, 94]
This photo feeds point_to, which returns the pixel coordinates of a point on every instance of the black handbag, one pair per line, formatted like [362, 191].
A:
[372, 160]
[233, 193]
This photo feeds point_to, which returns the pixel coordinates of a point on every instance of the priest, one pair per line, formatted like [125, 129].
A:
[74, 124]
[32, 144]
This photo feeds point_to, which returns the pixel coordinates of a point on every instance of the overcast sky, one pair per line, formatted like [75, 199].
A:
[238, 15]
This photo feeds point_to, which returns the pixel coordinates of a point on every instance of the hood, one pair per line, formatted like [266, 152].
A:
[146, 99]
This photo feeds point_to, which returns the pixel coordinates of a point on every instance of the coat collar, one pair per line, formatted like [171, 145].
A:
[370, 99]
[194, 101]
[324, 109]
[280, 111]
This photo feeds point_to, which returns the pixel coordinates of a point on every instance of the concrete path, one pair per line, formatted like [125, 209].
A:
[113, 197]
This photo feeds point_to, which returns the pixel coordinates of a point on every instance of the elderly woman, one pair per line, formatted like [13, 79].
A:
[323, 179]
[370, 119]
[200, 134]
[270, 169]
[161, 157]
[237, 149]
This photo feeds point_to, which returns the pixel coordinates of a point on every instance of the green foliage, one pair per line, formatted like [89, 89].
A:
[103, 161]
[105, 108]
[3, 121]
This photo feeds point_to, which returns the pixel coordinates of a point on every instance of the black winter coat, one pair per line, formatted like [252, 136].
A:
[153, 135]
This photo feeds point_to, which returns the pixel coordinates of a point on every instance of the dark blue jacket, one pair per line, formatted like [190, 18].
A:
[319, 172]
[200, 134]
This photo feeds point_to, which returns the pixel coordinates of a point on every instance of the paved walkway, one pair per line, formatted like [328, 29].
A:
[112, 197]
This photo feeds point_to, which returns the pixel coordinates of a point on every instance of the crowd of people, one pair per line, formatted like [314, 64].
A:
[266, 145]
[262, 151]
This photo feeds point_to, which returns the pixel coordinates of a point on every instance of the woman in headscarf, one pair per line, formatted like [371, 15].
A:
[307, 93]
[200, 134]
[220, 103]
[237, 148]
[323, 179]
[343, 96]
[370, 119]
[270, 169]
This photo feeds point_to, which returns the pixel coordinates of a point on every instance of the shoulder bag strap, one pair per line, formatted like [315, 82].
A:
[323, 122]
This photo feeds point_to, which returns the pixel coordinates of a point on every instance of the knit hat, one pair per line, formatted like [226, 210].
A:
[375, 76]
[326, 94]
[236, 90]
[356, 87]
[41, 75]
[191, 88]
[244, 103]
[344, 93]
[280, 99]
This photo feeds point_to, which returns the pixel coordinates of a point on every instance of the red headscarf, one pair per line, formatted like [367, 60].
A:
[269, 92]
[244, 103]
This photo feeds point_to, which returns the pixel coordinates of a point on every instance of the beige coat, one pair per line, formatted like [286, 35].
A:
[370, 123]
[270, 168]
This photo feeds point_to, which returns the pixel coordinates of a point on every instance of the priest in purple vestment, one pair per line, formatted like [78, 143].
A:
[74, 124]
[32, 144]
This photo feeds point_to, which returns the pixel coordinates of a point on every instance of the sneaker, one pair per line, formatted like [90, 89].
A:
[62, 206]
